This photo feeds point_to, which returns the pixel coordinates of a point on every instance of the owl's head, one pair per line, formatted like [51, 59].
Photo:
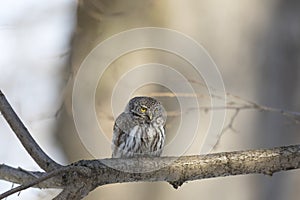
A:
[147, 108]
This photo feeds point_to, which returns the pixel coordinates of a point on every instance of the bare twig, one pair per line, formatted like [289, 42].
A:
[237, 104]
[229, 126]
[292, 115]
[231, 105]
[35, 151]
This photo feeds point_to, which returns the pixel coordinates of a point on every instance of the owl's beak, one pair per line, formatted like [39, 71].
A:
[150, 116]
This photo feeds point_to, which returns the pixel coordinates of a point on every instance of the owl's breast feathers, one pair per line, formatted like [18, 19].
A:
[133, 137]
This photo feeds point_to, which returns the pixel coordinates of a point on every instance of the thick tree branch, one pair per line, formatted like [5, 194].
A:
[188, 168]
[35, 151]
[175, 170]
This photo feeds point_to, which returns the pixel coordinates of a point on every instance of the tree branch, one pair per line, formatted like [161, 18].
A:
[21, 176]
[35, 151]
[188, 168]
[80, 178]
[175, 170]
[46, 176]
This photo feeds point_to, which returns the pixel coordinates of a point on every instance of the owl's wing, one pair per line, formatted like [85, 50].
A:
[118, 134]
[122, 126]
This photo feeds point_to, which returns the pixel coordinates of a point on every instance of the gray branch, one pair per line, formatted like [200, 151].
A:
[21, 176]
[188, 168]
[35, 151]
[175, 170]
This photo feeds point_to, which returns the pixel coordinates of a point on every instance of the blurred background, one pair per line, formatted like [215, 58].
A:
[255, 44]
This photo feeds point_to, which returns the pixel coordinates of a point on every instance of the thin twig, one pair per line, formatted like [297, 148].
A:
[231, 105]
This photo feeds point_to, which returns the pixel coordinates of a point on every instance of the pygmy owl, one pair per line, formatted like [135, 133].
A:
[139, 130]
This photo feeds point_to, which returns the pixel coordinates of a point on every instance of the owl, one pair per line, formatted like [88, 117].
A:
[139, 130]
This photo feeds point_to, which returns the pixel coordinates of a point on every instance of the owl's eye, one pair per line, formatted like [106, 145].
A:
[143, 109]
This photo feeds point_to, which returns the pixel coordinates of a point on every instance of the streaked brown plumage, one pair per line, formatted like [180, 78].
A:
[139, 130]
